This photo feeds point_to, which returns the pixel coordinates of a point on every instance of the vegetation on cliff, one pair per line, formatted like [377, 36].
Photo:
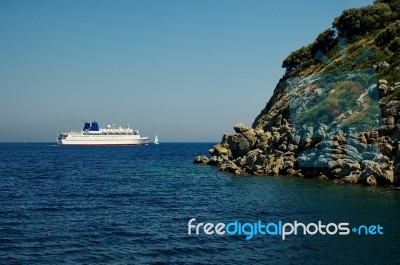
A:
[375, 27]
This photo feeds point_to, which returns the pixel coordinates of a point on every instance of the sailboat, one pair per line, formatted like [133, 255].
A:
[156, 140]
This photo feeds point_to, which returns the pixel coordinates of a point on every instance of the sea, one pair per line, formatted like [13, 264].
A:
[134, 204]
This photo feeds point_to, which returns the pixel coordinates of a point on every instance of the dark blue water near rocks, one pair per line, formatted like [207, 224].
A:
[131, 205]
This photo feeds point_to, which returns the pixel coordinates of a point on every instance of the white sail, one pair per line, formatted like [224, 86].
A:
[156, 140]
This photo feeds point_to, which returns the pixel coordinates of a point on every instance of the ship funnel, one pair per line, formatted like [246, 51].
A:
[86, 126]
[94, 127]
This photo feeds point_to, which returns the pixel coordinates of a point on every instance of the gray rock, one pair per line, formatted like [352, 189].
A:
[322, 161]
[335, 172]
[344, 171]
[292, 148]
[380, 175]
[214, 160]
[288, 165]
[387, 129]
[383, 89]
[303, 159]
[225, 138]
[240, 128]
[391, 108]
[297, 139]
[362, 139]
[247, 132]
[320, 133]
[220, 149]
[386, 149]
[382, 66]
[385, 159]
[239, 145]
[257, 170]
[263, 140]
[229, 166]
[371, 181]
[201, 160]
[322, 177]
[251, 158]
[388, 174]
[352, 178]
[388, 120]
[368, 156]
[355, 167]
[240, 161]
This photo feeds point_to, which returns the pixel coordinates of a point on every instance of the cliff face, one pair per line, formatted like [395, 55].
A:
[328, 144]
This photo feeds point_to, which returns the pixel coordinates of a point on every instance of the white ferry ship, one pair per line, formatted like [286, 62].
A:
[92, 135]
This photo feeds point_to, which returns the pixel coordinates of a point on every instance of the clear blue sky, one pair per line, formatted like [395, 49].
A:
[186, 70]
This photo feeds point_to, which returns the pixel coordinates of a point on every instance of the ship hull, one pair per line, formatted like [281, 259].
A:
[100, 141]
[103, 143]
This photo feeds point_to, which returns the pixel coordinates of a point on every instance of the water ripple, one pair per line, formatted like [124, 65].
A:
[131, 205]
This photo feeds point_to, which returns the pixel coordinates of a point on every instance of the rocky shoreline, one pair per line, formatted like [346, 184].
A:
[335, 114]
[270, 148]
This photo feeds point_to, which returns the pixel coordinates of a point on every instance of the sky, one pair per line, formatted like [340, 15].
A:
[185, 70]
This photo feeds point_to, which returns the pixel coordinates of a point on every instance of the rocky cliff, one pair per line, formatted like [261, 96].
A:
[273, 144]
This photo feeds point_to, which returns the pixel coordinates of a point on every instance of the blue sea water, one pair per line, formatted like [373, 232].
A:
[131, 205]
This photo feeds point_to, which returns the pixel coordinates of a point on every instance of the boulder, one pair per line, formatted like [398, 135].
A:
[247, 132]
[220, 149]
[239, 145]
[362, 139]
[382, 66]
[264, 140]
[272, 164]
[214, 160]
[251, 158]
[296, 139]
[371, 181]
[382, 82]
[225, 138]
[322, 177]
[388, 125]
[381, 173]
[389, 175]
[386, 149]
[201, 160]
[352, 177]
[391, 108]
[240, 128]
[383, 89]
[344, 171]
[230, 166]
